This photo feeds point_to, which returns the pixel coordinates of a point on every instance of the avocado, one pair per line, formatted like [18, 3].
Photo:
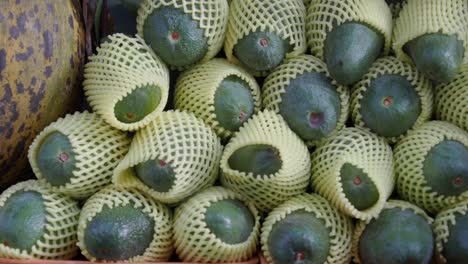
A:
[438, 56]
[131, 5]
[455, 250]
[358, 188]
[311, 106]
[119, 233]
[397, 236]
[233, 103]
[350, 49]
[259, 159]
[156, 174]
[139, 103]
[56, 159]
[445, 168]
[230, 221]
[23, 220]
[175, 36]
[300, 237]
[390, 106]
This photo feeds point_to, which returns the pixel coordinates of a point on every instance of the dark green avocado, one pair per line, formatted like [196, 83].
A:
[156, 174]
[138, 104]
[358, 188]
[131, 5]
[456, 248]
[259, 159]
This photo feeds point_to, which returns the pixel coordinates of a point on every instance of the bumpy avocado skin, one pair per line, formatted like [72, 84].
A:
[350, 49]
[230, 221]
[260, 159]
[397, 237]
[358, 188]
[157, 174]
[299, 238]
[456, 248]
[23, 220]
[138, 104]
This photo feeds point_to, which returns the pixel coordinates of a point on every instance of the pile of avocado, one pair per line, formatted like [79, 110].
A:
[294, 131]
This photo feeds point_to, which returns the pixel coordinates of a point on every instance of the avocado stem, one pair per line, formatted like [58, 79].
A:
[388, 100]
[315, 119]
[175, 35]
[300, 256]
[6, 244]
[130, 116]
[357, 181]
[458, 181]
[63, 157]
[263, 42]
[162, 163]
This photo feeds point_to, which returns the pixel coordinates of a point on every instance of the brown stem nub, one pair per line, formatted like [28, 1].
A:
[458, 181]
[63, 157]
[388, 100]
[300, 256]
[357, 181]
[263, 42]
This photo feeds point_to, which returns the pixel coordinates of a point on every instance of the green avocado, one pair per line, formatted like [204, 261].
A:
[299, 238]
[261, 50]
[23, 220]
[311, 106]
[233, 103]
[230, 221]
[456, 248]
[390, 106]
[138, 104]
[175, 36]
[350, 49]
[156, 174]
[259, 159]
[131, 5]
[445, 168]
[119, 233]
[358, 188]
[438, 56]
[397, 237]
[56, 159]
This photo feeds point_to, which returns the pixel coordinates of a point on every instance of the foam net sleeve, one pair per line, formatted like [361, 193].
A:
[195, 242]
[160, 249]
[97, 147]
[324, 15]
[195, 90]
[211, 15]
[180, 139]
[410, 154]
[276, 83]
[451, 100]
[59, 239]
[420, 17]
[121, 65]
[391, 65]
[286, 18]
[339, 226]
[396, 8]
[362, 149]
[268, 191]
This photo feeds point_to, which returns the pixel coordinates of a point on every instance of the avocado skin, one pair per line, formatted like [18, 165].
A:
[362, 196]
[138, 103]
[154, 175]
[119, 233]
[23, 220]
[350, 49]
[131, 5]
[260, 159]
[299, 232]
[456, 248]
[438, 56]
[397, 237]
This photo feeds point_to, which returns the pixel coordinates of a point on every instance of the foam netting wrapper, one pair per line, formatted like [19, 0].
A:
[183, 141]
[410, 154]
[160, 249]
[362, 149]
[96, 146]
[195, 242]
[451, 100]
[340, 227]
[286, 18]
[420, 17]
[361, 225]
[211, 16]
[396, 8]
[443, 221]
[121, 65]
[59, 239]
[268, 191]
[276, 83]
[324, 15]
[195, 90]
[391, 65]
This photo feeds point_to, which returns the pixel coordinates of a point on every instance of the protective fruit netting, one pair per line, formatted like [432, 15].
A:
[195, 242]
[59, 239]
[183, 141]
[160, 249]
[419, 17]
[195, 90]
[391, 65]
[324, 15]
[286, 18]
[410, 154]
[340, 226]
[268, 191]
[121, 65]
[97, 148]
[276, 83]
[396, 8]
[211, 15]
[362, 149]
